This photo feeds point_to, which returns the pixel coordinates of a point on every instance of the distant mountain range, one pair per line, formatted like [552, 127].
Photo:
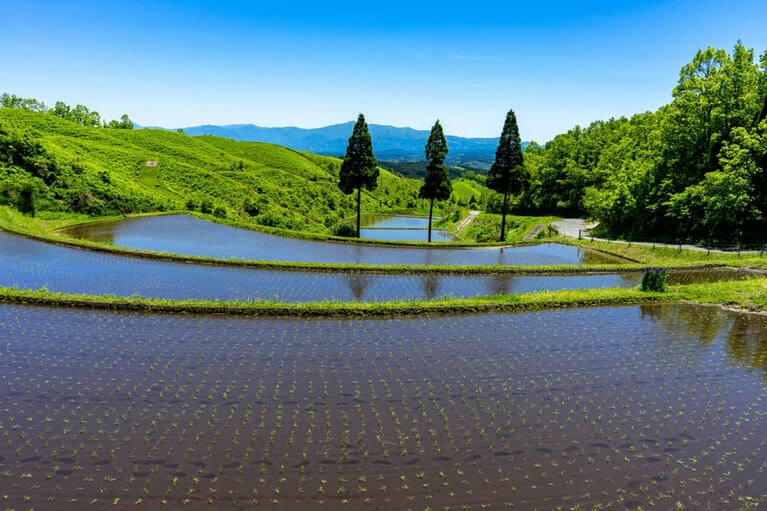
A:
[389, 143]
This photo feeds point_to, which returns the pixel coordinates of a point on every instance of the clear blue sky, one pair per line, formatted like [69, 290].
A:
[179, 63]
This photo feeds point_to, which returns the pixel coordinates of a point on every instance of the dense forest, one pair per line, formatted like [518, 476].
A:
[692, 171]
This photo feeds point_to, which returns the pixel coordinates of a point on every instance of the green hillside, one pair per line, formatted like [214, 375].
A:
[48, 164]
[464, 190]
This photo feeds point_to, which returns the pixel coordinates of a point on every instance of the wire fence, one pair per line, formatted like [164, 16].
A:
[751, 249]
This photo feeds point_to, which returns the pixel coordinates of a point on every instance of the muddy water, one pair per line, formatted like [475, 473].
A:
[614, 407]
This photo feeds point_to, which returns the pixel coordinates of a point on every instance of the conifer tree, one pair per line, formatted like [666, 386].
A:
[437, 183]
[359, 168]
[507, 174]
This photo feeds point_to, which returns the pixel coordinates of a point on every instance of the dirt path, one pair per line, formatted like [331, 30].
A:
[466, 221]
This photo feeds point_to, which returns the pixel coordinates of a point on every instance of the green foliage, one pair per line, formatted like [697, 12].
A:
[467, 192]
[486, 228]
[653, 279]
[345, 229]
[359, 168]
[507, 173]
[48, 164]
[692, 171]
[436, 184]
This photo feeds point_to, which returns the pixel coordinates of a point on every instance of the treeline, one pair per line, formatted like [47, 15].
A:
[417, 169]
[79, 114]
[692, 171]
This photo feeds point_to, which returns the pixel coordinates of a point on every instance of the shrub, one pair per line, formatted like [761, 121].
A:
[654, 279]
[345, 230]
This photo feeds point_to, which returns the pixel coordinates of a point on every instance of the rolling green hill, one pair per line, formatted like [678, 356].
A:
[466, 189]
[48, 164]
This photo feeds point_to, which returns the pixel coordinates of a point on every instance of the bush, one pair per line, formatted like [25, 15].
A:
[345, 229]
[654, 279]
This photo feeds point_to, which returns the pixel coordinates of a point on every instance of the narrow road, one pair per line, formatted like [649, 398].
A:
[466, 221]
[578, 227]
[571, 227]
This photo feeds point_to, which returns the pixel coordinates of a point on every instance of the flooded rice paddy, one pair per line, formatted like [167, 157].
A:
[610, 408]
[400, 228]
[28, 264]
[188, 235]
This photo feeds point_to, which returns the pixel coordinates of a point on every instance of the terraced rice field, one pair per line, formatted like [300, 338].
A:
[181, 234]
[652, 407]
[614, 408]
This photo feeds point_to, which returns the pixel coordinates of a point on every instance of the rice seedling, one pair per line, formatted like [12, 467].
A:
[573, 408]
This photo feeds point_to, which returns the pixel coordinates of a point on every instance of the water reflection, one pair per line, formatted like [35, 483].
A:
[626, 410]
[747, 340]
[430, 284]
[394, 221]
[358, 284]
[499, 285]
[744, 335]
[187, 235]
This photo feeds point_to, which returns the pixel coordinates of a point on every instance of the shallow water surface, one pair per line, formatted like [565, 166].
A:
[610, 407]
[28, 264]
[400, 228]
[188, 235]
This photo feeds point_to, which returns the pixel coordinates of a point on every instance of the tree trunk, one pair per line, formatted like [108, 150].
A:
[359, 196]
[431, 208]
[503, 217]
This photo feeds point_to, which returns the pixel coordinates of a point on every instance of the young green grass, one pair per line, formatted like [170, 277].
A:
[749, 294]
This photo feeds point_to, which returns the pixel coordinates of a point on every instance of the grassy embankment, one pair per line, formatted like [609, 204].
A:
[750, 295]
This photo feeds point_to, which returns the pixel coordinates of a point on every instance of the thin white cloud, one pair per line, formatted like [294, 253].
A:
[475, 59]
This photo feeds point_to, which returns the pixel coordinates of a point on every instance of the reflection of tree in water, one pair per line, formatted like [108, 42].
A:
[357, 253]
[745, 335]
[696, 321]
[358, 284]
[100, 232]
[747, 339]
[500, 284]
[430, 284]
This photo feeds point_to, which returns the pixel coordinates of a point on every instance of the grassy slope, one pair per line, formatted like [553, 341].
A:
[260, 183]
[465, 189]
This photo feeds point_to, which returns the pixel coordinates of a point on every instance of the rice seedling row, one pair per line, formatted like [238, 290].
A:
[597, 408]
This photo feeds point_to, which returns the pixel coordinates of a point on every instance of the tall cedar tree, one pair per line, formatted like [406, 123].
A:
[507, 173]
[359, 169]
[437, 183]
